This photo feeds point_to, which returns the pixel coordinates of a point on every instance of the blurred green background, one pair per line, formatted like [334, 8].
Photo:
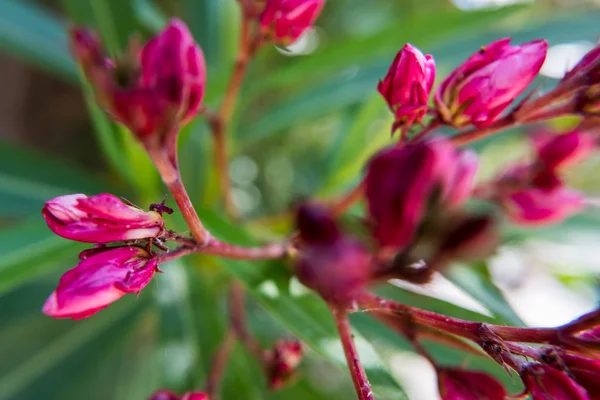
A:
[308, 118]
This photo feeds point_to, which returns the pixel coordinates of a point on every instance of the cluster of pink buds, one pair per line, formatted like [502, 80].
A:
[533, 193]
[155, 90]
[104, 273]
[417, 217]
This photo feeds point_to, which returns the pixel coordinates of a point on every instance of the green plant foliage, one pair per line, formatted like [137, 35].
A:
[320, 108]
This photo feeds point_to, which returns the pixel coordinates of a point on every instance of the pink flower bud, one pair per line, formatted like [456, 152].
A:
[99, 280]
[536, 206]
[586, 371]
[160, 88]
[163, 395]
[587, 70]
[334, 266]
[559, 151]
[459, 384]
[488, 82]
[407, 85]
[401, 182]
[102, 218]
[194, 396]
[543, 382]
[168, 395]
[282, 361]
[286, 20]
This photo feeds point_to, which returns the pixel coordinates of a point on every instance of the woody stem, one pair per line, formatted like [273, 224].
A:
[473, 330]
[359, 376]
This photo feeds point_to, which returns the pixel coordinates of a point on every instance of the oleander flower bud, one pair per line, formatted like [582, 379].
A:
[330, 263]
[585, 370]
[459, 384]
[160, 88]
[103, 218]
[561, 151]
[168, 395]
[402, 182]
[534, 194]
[99, 280]
[587, 70]
[284, 21]
[407, 85]
[543, 382]
[282, 361]
[481, 88]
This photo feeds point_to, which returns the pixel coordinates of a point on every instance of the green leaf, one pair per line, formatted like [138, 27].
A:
[25, 372]
[28, 179]
[33, 34]
[476, 280]
[307, 317]
[30, 249]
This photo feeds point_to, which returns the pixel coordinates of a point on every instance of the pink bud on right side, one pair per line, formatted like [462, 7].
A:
[485, 85]
[459, 384]
[543, 382]
[407, 85]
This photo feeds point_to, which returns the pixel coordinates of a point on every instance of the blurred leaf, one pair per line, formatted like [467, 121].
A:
[149, 15]
[33, 34]
[307, 316]
[28, 179]
[476, 280]
[344, 87]
[114, 19]
[30, 249]
[177, 351]
[60, 347]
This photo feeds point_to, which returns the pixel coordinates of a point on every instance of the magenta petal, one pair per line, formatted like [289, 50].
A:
[100, 219]
[287, 20]
[458, 384]
[544, 382]
[407, 85]
[537, 207]
[99, 280]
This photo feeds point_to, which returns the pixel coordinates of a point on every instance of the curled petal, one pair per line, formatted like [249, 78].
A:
[102, 218]
[100, 280]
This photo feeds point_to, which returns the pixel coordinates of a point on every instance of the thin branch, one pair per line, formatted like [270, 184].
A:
[217, 248]
[218, 366]
[172, 179]
[359, 376]
[221, 121]
[237, 312]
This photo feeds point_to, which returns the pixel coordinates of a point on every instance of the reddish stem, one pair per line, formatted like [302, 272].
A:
[342, 205]
[218, 366]
[472, 330]
[231, 251]
[221, 120]
[237, 311]
[359, 376]
[171, 177]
